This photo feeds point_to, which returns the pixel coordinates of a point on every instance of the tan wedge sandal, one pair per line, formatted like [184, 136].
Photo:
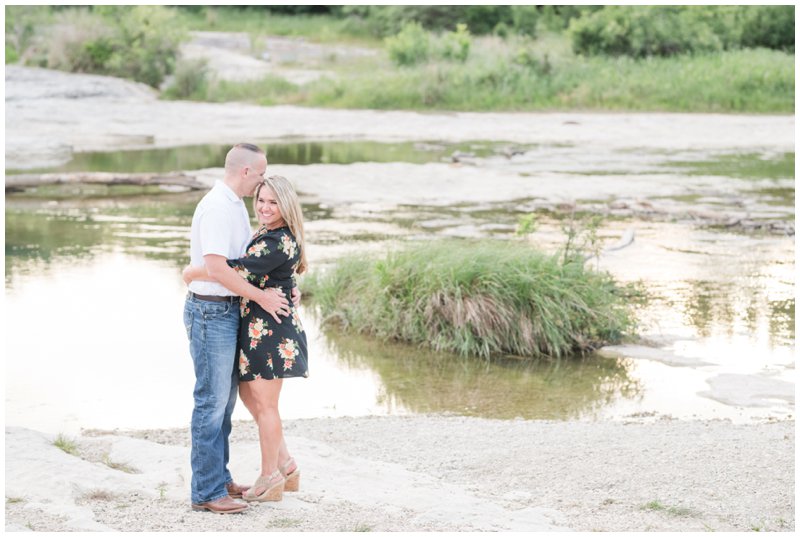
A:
[292, 478]
[272, 485]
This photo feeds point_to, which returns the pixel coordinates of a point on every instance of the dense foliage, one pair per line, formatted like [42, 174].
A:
[641, 31]
[137, 42]
[671, 58]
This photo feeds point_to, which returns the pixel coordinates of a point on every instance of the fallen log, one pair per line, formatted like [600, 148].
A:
[15, 182]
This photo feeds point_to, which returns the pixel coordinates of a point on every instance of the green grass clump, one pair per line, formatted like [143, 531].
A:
[656, 505]
[475, 298]
[66, 445]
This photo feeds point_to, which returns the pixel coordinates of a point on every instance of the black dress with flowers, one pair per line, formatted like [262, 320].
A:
[266, 349]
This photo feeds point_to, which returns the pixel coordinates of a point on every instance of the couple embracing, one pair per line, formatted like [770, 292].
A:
[241, 319]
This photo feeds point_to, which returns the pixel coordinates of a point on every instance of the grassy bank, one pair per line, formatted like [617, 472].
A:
[514, 76]
[416, 69]
[475, 298]
[741, 81]
[257, 23]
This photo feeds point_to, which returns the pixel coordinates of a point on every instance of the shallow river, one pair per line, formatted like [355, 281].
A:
[94, 300]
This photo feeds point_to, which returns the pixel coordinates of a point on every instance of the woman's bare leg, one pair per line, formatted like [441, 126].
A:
[261, 396]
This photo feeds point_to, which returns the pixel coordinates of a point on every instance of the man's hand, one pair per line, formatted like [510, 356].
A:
[274, 302]
[296, 294]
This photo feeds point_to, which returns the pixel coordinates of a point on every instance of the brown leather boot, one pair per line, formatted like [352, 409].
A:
[222, 506]
[235, 490]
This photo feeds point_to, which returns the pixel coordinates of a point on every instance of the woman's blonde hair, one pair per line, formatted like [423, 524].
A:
[291, 212]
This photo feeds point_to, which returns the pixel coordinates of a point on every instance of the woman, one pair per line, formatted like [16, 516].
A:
[269, 352]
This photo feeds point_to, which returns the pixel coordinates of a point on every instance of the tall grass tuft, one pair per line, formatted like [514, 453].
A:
[66, 444]
[475, 298]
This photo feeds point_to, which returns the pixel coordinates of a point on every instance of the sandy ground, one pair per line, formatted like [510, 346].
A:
[425, 473]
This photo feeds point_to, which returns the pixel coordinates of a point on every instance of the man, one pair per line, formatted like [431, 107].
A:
[221, 230]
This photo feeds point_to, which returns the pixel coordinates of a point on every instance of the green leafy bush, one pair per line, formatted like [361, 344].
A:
[20, 27]
[190, 80]
[388, 20]
[641, 31]
[137, 42]
[145, 43]
[410, 46]
[769, 26]
[525, 19]
[455, 45]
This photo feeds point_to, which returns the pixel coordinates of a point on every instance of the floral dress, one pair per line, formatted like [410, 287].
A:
[266, 349]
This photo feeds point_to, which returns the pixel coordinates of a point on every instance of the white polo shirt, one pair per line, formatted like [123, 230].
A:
[221, 226]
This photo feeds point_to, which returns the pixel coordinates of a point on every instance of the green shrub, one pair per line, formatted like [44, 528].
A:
[475, 298]
[482, 19]
[410, 46]
[137, 42]
[455, 45]
[557, 18]
[20, 27]
[502, 30]
[190, 80]
[11, 54]
[641, 31]
[525, 19]
[388, 20]
[78, 42]
[769, 26]
[146, 43]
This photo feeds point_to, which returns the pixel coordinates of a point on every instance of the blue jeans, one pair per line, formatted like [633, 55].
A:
[213, 328]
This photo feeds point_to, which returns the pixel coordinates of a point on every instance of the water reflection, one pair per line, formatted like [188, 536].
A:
[723, 298]
[424, 381]
[198, 157]
[61, 232]
[711, 307]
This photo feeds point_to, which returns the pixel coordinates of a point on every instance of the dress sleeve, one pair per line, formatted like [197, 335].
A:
[264, 255]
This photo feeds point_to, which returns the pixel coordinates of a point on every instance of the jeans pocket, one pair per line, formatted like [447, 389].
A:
[188, 318]
[212, 310]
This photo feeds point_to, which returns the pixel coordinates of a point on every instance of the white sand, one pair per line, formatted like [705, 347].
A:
[426, 473]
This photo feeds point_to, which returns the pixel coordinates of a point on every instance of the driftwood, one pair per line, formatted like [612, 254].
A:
[14, 182]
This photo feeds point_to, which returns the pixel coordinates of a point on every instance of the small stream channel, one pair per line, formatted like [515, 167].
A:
[94, 296]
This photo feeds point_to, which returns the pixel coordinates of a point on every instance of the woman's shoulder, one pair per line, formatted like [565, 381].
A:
[282, 238]
[281, 233]
[272, 234]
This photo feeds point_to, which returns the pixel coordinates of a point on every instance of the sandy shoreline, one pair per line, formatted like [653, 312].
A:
[425, 473]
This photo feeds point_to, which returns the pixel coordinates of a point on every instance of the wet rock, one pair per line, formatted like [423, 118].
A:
[27, 83]
[511, 151]
[23, 153]
[462, 157]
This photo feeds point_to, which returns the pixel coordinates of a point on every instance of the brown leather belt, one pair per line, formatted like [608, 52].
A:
[214, 298]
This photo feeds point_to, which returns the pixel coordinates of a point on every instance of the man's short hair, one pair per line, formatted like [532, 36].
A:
[250, 147]
[242, 155]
